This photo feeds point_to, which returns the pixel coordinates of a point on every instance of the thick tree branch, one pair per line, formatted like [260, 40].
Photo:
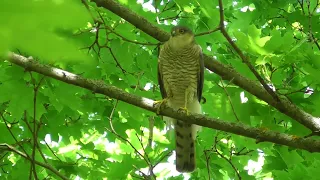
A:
[133, 18]
[226, 72]
[113, 92]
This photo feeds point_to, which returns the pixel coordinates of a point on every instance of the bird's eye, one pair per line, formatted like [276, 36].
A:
[181, 31]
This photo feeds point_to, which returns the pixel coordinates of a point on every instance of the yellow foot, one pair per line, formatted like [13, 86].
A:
[184, 109]
[159, 104]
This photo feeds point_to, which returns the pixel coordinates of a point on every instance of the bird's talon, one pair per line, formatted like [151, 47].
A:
[184, 109]
[159, 104]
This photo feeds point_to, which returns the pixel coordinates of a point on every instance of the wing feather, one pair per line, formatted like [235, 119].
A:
[200, 75]
[160, 81]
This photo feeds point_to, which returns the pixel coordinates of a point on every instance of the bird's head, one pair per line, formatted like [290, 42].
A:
[181, 36]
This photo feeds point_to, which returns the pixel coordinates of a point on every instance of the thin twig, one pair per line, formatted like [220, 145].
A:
[88, 8]
[302, 90]
[209, 32]
[207, 162]
[144, 151]
[241, 153]
[116, 60]
[131, 41]
[301, 5]
[127, 141]
[225, 158]
[162, 158]
[124, 139]
[138, 177]
[172, 18]
[111, 116]
[147, 157]
[95, 42]
[311, 35]
[30, 129]
[122, 37]
[151, 125]
[229, 99]
[34, 131]
[166, 8]
[52, 151]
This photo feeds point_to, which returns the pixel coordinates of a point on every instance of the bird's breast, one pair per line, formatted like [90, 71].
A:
[180, 69]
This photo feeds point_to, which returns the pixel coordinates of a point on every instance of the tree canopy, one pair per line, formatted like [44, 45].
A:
[78, 80]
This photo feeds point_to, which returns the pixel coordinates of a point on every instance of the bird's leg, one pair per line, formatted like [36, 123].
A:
[160, 104]
[186, 98]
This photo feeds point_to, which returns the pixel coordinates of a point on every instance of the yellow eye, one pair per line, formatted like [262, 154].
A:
[181, 31]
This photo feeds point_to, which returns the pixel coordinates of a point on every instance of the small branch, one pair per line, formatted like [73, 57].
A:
[84, 2]
[52, 151]
[30, 129]
[172, 18]
[111, 116]
[162, 158]
[241, 153]
[122, 37]
[209, 32]
[229, 99]
[310, 15]
[128, 40]
[130, 144]
[7, 147]
[35, 130]
[147, 157]
[315, 40]
[301, 90]
[301, 5]
[151, 125]
[131, 17]
[166, 8]
[216, 141]
[207, 161]
[95, 42]
[116, 60]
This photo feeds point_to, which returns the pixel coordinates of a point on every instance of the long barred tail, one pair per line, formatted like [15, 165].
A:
[185, 151]
[185, 134]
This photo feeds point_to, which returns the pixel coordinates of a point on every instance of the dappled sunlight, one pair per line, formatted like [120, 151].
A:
[255, 166]
[243, 98]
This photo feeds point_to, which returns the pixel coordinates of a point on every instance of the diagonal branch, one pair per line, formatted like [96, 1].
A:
[226, 72]
[6, 147]
[100, 87]
[242, 56]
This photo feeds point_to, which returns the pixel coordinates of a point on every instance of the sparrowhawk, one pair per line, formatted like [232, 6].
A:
[180, 76]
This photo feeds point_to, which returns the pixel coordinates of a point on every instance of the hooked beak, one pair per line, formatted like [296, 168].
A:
[173, 33]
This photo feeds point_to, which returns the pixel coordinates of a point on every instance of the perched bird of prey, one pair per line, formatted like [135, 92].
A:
[180, 76]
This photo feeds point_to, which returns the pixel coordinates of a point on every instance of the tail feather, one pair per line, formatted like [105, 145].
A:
[185, 150]
[185, 134]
